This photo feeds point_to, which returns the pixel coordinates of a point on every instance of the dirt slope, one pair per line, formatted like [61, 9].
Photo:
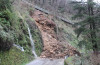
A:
[53, 48]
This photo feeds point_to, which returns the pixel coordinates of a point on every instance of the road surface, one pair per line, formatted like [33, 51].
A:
[45, 61]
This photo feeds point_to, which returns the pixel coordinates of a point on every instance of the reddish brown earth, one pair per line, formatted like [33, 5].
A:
[95, 59]
[53, 48]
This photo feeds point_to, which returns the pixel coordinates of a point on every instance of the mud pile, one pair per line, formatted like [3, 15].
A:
[52, 47]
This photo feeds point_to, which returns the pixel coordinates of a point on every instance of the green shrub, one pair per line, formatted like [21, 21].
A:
[6, 18]
[65, 63]
[4, 4]
[6, 41]
[14, 57]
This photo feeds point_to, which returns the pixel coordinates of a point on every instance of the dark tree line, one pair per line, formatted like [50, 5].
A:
[88, 27]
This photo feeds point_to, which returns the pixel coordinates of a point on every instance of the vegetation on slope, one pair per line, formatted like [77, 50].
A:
[36, 36]
[14, 57]
[88, 27]
[13, 30]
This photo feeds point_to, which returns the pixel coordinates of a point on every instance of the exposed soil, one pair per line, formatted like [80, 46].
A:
[53, 48]
[95, 59]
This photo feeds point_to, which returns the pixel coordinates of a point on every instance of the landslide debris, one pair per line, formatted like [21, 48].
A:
[53, 48]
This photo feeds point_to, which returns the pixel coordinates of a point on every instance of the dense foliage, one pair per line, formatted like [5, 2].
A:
[5, 4]
[6, 39]
[13, 29]
[88, 27]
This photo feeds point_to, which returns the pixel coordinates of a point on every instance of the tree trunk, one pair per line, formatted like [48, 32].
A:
[93, 28]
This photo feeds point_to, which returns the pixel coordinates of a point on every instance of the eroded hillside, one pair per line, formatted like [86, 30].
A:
[42, 27]
[53, 47]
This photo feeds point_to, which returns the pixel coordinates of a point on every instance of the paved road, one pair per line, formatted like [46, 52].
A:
[43, 61]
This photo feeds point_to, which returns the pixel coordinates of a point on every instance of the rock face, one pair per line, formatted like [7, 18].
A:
[53, 48]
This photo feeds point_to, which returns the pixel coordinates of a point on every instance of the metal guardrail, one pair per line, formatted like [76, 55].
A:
[47, 12]
[41, 9]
